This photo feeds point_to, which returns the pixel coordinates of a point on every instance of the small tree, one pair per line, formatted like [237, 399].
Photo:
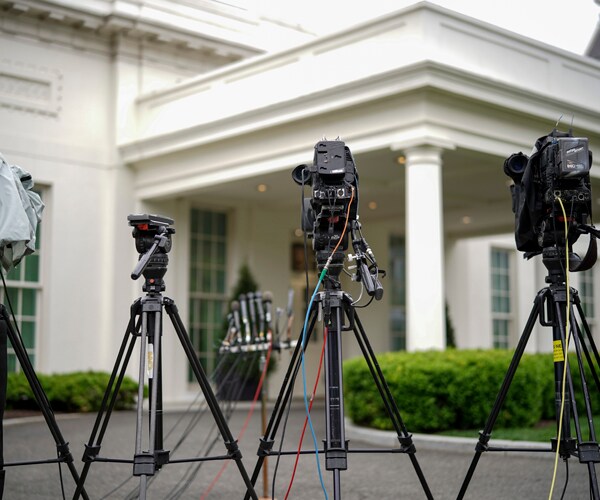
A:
[245, 283]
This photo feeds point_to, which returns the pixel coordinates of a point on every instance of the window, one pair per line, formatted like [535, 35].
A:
[398, 293]
[586, 296]
[24, 289]
[208, 238]
[501, 303]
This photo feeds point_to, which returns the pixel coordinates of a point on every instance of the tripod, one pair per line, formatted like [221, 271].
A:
[62, 447]
[550, 307]
[145, 323]
[339, 316]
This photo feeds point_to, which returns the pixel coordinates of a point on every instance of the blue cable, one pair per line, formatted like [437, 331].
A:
[312, 430]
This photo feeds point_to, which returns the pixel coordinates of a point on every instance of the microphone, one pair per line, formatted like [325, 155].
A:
[261, 314]
[268, 302]
[235, 307]
[242, 298]
[230, 331]
[252, 310]
[290, 314]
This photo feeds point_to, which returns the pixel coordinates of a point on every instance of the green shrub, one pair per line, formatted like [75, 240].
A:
[79, 391]
[445, 390]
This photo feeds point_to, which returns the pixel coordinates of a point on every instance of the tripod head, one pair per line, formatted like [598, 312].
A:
[152, 235]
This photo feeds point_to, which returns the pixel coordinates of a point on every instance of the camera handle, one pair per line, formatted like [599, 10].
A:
[365, 273]
[591, 255]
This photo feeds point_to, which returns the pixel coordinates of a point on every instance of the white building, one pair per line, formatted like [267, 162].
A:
[159, 107]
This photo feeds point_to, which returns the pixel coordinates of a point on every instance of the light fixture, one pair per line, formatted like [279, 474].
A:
[372, 205]
[261, 188]
[401, 160]
[466, 219]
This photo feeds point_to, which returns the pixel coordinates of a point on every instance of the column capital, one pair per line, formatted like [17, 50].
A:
[424, 142]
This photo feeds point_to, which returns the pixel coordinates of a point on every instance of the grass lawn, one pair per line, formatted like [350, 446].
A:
[543, 431]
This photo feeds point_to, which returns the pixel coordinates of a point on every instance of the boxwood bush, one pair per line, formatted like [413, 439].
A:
[456, 389]
[69, 392]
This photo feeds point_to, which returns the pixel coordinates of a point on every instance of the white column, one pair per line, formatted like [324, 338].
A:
[425, 309]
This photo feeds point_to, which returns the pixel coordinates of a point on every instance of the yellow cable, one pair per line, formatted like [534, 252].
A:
[565, 348]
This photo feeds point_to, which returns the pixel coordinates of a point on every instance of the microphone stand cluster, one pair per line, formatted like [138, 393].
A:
[252, 327]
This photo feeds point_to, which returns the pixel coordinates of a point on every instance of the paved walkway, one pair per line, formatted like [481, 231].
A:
[444, 462]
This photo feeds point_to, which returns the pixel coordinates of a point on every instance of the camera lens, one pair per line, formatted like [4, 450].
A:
[514, 166]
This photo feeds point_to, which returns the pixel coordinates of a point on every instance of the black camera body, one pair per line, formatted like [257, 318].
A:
[334, 201]
[559, 167]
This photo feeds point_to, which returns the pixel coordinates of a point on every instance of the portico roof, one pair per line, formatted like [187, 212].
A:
[421, 75]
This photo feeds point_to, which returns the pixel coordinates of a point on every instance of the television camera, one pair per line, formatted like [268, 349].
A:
[331, 213]
[558, 169]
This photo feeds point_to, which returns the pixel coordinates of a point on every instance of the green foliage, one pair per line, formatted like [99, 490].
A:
[453, 389]
[245, 283]
[70, 392]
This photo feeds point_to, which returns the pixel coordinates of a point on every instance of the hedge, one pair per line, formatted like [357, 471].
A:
[69, 392]
[456, 389]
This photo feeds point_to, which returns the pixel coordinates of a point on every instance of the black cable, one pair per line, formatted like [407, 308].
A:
[285, 421]
[566, 479]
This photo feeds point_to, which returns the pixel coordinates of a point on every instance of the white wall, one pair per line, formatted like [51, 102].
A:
[67, 95]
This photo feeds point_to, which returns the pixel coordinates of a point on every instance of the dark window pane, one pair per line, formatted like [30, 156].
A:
[28, 308]
[32, 266]
[28, 334]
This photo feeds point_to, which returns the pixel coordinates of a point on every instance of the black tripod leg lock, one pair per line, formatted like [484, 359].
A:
[233, 449]
[482, 444]
[144, 464]
[265, 447]
[90, 453]
[63, 453]
[406, 444]
[589, 452]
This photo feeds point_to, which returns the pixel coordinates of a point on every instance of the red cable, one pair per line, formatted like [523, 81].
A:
[312, 398]
[247, 421]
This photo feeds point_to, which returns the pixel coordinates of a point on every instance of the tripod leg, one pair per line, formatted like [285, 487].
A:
[110, 395]
[485, 434]
[285, 393]
[336, 455]
[388, 400]
[40, 396]
[587, 338]
[587, 450]
[144, 463]
[230, 442]
[3, 385]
